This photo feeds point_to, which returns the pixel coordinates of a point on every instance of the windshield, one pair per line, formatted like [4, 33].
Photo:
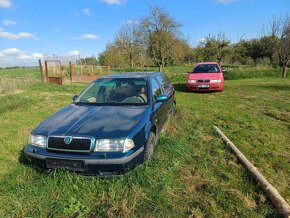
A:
[129, 91]
[206, 68]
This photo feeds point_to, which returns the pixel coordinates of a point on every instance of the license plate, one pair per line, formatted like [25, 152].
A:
[74, 165]
[202, 86]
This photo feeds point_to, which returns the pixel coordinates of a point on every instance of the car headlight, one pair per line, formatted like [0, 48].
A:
[191, 81]
[38, 140]
[107, 145]
[215, 80]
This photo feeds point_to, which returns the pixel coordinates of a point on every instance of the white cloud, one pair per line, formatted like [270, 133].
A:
[5, 3]
[25, 35]
[8, 22]
[113, 2]
[87, 12]
[10, 52]
[74, 53]
[37, 55]
[16, 54]
[88, 36]
[7, 35]
[202, 40]
[225, 1]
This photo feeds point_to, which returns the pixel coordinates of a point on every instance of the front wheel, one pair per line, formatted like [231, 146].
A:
[149, 149]
[172, 111]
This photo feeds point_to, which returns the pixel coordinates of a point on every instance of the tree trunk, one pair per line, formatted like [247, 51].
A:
[132, 63]
[160, 67]
[162, 61]
[219, 59]
[284, 72]
[131, 60]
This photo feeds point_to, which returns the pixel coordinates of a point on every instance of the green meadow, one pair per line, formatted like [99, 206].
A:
[192, 173]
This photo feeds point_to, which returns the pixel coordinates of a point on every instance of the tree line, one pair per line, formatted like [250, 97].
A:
[157, 40]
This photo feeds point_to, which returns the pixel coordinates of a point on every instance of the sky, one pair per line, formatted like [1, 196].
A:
[33, 29]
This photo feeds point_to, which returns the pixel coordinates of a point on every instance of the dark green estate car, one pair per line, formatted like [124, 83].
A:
[112, 126]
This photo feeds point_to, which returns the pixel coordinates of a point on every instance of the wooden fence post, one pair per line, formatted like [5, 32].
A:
[46, 70]
[70, 70]
[41, 70]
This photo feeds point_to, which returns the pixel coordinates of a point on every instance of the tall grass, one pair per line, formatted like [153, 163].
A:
[246, 73]
[8, 85]
[32, 73]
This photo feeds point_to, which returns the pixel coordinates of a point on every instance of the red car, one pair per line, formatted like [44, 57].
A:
[205, 76]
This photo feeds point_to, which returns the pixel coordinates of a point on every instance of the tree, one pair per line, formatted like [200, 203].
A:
[88, 60]
[284, 47]
[112, 56]
[128, 40]
[160, 32]
[280, 28]
[240, 52]
[269, 46]
[215, 47]
[181, 53]
[254, 49]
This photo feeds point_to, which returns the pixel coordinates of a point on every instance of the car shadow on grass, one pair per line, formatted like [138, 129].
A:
[180, 87]
[24, 161]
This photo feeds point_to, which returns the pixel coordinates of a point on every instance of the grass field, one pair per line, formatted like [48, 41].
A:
[191, 174]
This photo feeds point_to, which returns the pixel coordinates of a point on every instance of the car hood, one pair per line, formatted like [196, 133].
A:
[96, 121]
[197, 76]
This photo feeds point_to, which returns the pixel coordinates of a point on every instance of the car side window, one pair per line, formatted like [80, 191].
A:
[167, 81]
[156, 89]
[164, 83]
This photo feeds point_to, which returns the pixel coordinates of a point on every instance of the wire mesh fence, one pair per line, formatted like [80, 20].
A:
[65, 70]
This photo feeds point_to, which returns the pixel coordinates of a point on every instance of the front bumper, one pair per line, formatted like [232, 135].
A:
[85, 163]
[206, 86]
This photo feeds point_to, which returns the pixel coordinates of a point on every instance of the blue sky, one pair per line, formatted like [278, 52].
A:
[30, 29]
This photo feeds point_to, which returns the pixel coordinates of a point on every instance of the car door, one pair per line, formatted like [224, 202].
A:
[159, 110]
[168, 90]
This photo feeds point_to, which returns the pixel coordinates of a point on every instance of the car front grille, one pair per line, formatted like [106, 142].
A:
[203, 81]
[76, 144]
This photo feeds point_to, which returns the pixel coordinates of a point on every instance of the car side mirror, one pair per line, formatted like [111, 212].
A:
[74, 97]
[161, 98]
[189, 72]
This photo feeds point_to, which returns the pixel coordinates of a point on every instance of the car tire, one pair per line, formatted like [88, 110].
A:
[150, 146]
[173, 110]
